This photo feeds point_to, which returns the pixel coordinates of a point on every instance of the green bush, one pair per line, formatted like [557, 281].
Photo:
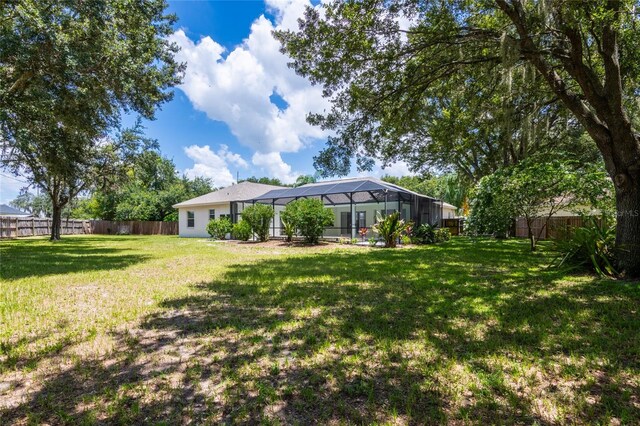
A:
[424, 234]
[241, 231]
[259, 216]
[309, 217]
[427, 234]
[219, 228]
[441, 235]
[590, 246]
[390, 228]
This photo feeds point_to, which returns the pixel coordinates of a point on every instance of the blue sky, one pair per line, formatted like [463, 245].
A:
[240, 108]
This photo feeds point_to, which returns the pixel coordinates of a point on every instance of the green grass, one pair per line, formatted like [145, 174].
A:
[106, 329]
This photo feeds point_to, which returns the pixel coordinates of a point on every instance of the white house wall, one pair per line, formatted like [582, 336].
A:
[201, 215]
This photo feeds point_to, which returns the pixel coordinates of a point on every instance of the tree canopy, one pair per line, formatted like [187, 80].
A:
[68, 72]
[479, 85]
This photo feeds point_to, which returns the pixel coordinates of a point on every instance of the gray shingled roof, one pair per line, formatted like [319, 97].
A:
[6, 210]
[238, 192]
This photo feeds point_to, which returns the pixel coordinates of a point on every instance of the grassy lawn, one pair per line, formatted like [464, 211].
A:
[105, 329]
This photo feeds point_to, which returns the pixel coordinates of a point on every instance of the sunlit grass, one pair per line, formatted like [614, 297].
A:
[98, 329]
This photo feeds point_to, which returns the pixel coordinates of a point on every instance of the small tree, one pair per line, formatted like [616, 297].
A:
[219, 228]
[535, 191]
[309, 216]
[259, 218]
[289, 218]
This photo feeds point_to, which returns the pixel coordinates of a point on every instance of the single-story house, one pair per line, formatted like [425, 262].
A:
[195, 214]
[8, 211]
[356, 202]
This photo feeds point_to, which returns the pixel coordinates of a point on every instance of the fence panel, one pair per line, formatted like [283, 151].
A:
[11, 227]
[134, 227]
[559, 227]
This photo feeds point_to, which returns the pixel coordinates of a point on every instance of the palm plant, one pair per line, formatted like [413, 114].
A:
[390, 228]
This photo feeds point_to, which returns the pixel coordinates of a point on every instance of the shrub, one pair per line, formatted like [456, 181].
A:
[590, 246]
[390, 228]
[373, 241]
[289, 228]
[219, 228]
[405, 239]
[309, 217]
[424, 234]
[259, 216]
[441, 235]
[428, 234]
[242, 230]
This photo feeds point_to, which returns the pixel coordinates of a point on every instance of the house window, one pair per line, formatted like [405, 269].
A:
[361, 220]
[191, 220]
[212, 214]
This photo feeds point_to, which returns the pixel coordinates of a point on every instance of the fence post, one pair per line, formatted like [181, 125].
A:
[17, 227]
[33, 227]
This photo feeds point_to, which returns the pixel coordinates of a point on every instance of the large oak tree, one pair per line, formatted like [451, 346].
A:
[394, 87]
[68, 71]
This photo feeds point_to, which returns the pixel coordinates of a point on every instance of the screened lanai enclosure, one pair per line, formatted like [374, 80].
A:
[355, 202]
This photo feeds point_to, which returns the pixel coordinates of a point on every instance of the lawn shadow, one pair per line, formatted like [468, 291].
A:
[36, 257]
[409, 336]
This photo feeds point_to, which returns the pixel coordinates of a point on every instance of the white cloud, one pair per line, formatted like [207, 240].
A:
[273, 164]
[236, 88]
[212, 165]
[232, 158]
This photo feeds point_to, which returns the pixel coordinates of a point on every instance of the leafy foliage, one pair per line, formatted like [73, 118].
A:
[474, 86]
[423, 234]
[452, 188]
[241, 230]
[309, 216]
[591, 246]
[259, 217]
[428, 234]
[66, 79]
[147, 190]
[533, 189]
[390, 228]
[219, 228]
[289, 228]
[441, 235]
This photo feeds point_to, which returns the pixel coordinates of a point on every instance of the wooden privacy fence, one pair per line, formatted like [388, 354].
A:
[134, 227]
[11, 227]
[559, 227]
[456, 226]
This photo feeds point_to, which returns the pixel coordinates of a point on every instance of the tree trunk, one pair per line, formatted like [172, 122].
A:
[532, 241]
[56, 222]
[628, 223]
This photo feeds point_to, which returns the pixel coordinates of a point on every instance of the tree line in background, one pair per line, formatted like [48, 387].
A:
[145, 188]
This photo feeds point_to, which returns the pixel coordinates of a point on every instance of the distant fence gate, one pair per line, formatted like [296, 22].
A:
[11, 227]
[559, 227]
